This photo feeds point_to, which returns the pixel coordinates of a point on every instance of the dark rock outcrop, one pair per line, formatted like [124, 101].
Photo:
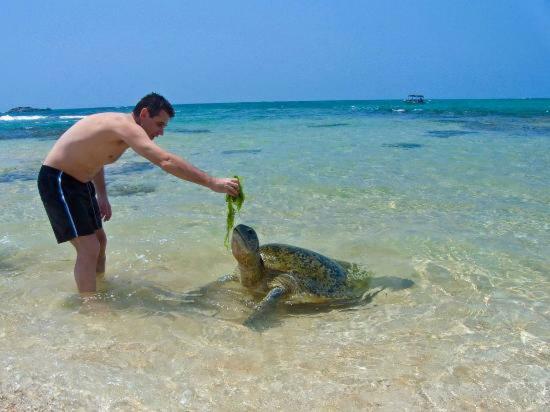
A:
[27, 109]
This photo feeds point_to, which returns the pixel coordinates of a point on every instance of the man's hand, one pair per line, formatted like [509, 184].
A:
[104, 208]
[229, 186]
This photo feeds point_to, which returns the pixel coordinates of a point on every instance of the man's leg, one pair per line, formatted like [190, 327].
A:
[102, 238]
[87, 253]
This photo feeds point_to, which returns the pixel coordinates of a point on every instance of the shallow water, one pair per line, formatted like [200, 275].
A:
[450, 197]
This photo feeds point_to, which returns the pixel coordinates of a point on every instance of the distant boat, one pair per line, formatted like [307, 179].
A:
[415, 99]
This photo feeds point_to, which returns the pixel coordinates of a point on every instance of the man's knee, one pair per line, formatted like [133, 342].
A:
[87, 246]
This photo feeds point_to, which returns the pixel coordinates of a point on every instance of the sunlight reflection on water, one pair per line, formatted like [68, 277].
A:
[463, 218]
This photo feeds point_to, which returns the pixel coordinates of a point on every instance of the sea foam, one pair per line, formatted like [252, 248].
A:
[9, 118]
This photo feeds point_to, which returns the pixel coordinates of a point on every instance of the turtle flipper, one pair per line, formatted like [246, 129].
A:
[264, 308]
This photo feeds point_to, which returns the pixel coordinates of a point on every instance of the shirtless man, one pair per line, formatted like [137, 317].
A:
[72, 174]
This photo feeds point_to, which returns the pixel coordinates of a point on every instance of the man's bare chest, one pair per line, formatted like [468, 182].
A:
[115, 151]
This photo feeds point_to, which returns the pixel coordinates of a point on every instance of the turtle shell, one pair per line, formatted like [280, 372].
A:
[312, 272]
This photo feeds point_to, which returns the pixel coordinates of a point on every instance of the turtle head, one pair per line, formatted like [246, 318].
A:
[245, 247]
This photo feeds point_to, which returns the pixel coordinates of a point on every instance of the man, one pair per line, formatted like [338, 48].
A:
[72, 174]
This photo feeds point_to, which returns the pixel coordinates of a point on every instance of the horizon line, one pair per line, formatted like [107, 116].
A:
[285, 101]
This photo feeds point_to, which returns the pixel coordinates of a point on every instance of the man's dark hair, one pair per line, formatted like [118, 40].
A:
[154, 103]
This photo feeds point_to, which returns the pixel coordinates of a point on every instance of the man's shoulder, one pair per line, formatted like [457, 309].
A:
[111, 117]
[124, 126]
[121, 122]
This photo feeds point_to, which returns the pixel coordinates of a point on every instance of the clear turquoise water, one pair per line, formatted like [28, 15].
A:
[451, 195]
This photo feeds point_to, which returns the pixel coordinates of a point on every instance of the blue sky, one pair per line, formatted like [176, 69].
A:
[65, 54]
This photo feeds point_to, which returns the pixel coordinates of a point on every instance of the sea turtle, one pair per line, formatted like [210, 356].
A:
[287, 272]
[273, 273]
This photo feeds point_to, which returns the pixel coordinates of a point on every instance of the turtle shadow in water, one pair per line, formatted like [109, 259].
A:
[274, 318]
[232, 302]
[146, 299]
[371, 286]
[225, 301]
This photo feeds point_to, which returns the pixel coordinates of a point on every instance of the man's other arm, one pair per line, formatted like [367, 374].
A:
[102, 199]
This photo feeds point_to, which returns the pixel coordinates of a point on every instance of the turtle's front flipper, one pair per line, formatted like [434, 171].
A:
[264, 308]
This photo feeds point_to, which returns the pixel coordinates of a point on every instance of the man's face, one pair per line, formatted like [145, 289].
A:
[153, 126]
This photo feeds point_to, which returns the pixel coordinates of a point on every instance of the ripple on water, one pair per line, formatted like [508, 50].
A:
[10, 176]
[443, 134]
[242, 151]
[128, 168]
[131, 189]
[9, 253]
[403, 145]
[190, 131]
[328, 125]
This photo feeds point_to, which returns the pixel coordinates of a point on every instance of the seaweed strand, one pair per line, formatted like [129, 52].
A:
[234, 205]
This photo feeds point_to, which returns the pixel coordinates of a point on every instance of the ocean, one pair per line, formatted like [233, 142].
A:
[445, 205]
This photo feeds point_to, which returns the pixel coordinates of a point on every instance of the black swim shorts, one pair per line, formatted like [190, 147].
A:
[70, 204]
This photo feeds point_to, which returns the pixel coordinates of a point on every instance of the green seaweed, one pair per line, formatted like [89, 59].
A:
[234, 205]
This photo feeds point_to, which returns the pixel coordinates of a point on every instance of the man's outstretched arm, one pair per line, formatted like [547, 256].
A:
[175, 165]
